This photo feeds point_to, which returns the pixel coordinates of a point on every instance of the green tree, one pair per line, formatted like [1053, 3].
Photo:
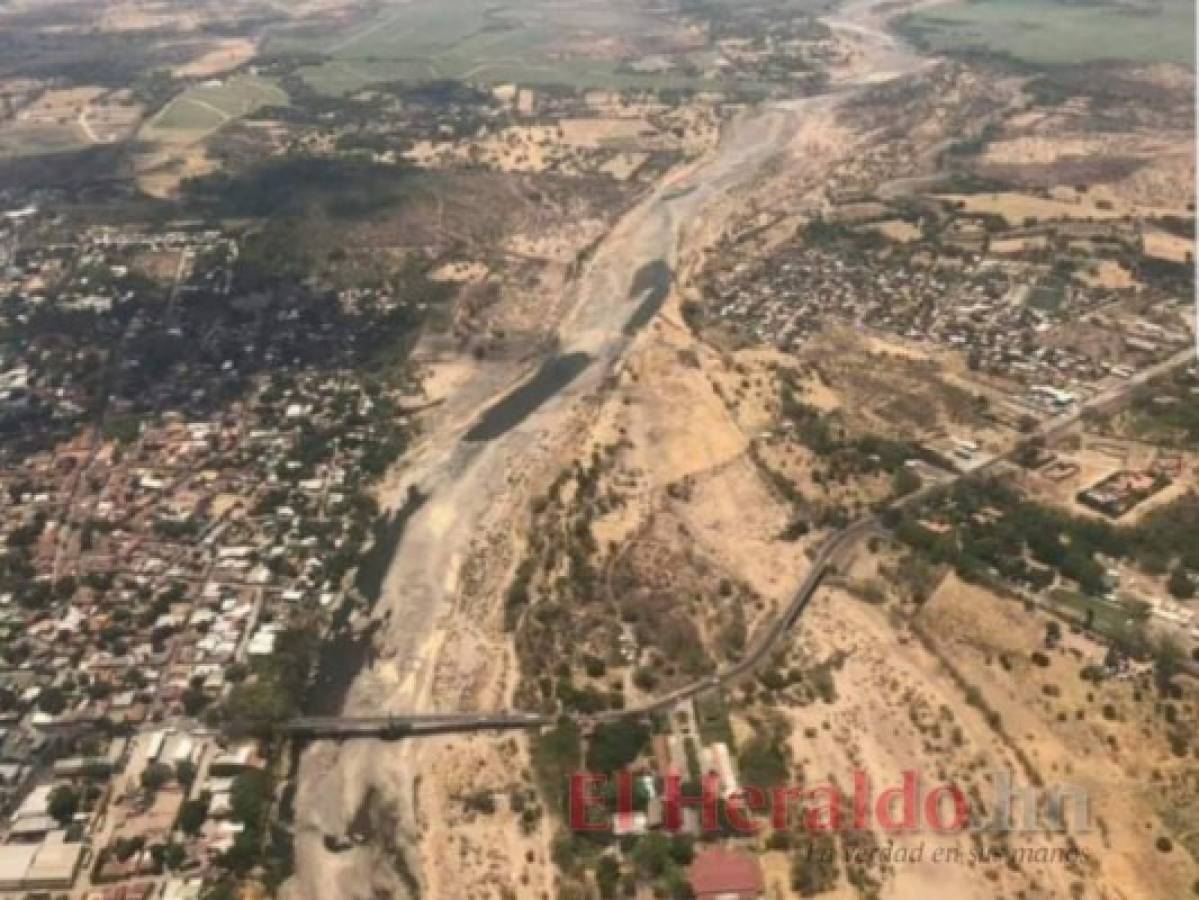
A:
[173, 856]
[155, 776]
[905, 481]
[63, 803]
[51, 701]
[566, 850]
[682, 848]
[249, 796]
[763, 763]
[1167, 662]
[676, 885]
[1128, 637]
[226, 889]
[192, 815]
[651, 855]
[1053, 633]
[607, 876]
[194, 701]
[185, 772]
[125, 847]
[245, 852]
[1180, 584]
[556, 754]
[614, 745]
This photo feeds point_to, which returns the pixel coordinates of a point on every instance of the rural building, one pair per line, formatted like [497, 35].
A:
[720, 874]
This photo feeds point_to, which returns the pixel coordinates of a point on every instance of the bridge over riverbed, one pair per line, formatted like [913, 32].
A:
[402, 725]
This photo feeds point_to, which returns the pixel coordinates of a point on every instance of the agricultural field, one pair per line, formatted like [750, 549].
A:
[579, 44]
[66, 119]
[174, 139]
[33, 140]
[339, 77]
[1016, 208]
[200, 110]
[1052, 33]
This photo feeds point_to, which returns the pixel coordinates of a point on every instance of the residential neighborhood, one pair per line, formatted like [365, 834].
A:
[161, 561]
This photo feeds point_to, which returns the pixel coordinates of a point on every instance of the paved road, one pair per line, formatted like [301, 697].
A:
[418, 724]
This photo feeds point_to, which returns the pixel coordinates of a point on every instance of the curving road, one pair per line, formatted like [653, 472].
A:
[402, 725]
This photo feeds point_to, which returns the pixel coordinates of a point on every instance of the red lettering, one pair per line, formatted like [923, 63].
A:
[673, 801]
[738, 802]
[582, 801]
[884, 807]
[933, 804]
[624, 792]
[828, 818]
[861, 800]
[780, 806]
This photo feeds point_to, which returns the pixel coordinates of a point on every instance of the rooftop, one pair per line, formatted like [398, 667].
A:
[720, 874]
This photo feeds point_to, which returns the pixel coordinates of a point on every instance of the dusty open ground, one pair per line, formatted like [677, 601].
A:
[902, 703]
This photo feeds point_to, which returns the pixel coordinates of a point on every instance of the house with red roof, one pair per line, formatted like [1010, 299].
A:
[720, 874]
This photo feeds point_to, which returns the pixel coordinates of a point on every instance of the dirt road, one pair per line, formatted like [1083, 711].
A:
[466, 481]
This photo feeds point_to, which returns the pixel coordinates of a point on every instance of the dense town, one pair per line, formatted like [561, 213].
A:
[169, 565]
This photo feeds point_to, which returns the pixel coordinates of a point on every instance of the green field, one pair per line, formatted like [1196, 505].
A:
[1053, 32]
[185, 115]
[35, 140]
[539, 42]
[201, 110]
[339, 77]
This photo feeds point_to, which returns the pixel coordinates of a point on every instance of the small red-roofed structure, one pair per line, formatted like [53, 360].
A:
[720, 874]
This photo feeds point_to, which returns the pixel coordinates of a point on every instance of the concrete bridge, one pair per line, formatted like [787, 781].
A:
[393, 727]
[400, 725]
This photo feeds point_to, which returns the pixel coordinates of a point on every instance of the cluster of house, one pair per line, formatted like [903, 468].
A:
[795, 48]
[100, 822]
[137, 820]
[1169, 614]
[146, 321]
[89, 271]
[77, 285]
[152, 555]
[982, 236]
[48, 864]
[155, 572]
[157, 561]
[1011, 319]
